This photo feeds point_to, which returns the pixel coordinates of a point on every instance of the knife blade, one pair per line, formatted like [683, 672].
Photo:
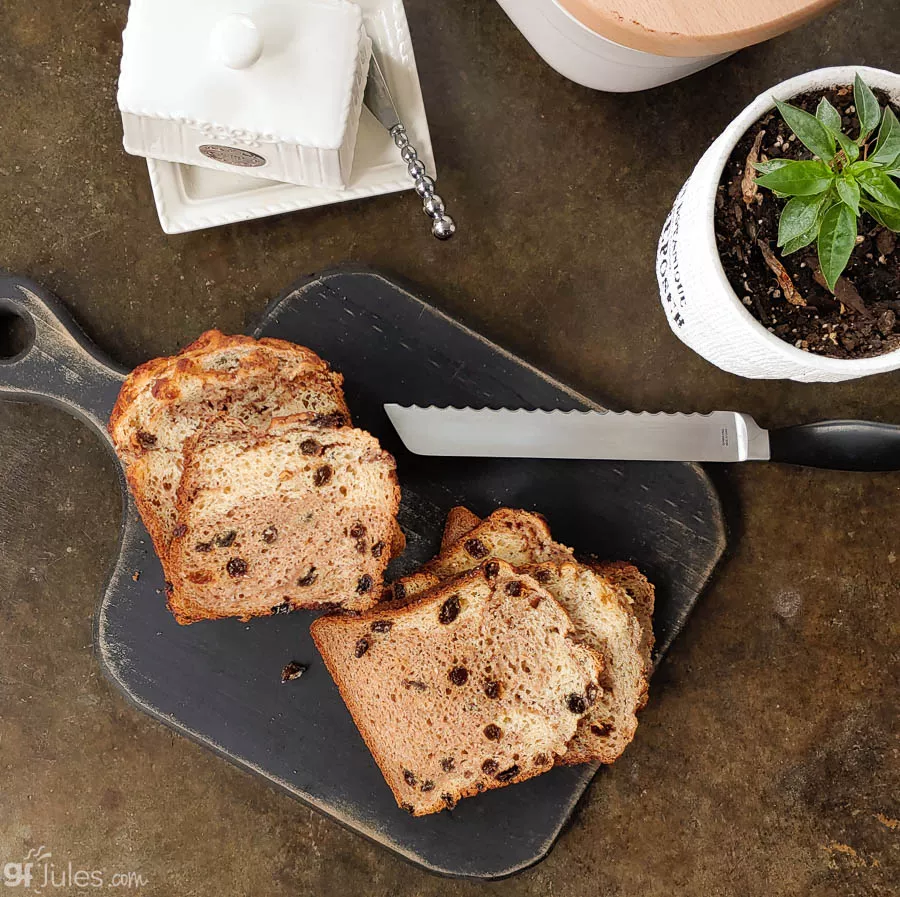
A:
[378, 100]
[720, 436]
[377, 97]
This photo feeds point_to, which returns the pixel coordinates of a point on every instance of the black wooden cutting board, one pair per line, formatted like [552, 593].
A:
[219, 683]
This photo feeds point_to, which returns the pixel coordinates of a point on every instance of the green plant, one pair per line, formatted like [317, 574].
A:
[827, 195]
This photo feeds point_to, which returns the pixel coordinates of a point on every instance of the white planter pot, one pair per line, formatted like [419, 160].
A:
[700, 304]
[588, 58]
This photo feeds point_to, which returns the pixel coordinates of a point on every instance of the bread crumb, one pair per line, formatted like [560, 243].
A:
[292, 671]
[136, 575]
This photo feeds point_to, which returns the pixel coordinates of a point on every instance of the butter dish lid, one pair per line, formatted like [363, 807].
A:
[283, 71]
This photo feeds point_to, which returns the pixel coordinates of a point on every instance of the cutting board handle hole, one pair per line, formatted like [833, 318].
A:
[16, 333]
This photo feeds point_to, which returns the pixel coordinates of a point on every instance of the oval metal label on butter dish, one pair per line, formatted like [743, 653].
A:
[232, 155]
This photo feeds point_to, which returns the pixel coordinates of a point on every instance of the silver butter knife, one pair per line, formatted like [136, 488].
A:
[627, 436]
[380, 103]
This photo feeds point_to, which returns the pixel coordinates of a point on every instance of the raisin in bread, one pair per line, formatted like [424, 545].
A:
[606, 623]
[298, 516]
[163, 403]
[475, 686]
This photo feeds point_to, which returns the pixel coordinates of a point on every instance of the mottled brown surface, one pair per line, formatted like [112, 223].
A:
[767, 760]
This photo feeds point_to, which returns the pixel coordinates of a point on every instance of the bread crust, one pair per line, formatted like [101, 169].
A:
[460, 520]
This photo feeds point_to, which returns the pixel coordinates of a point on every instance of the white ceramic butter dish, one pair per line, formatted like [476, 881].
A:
[269, 89]
[190, 198]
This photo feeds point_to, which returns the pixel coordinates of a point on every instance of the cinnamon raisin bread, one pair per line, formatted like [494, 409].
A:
[475, 686]
[634, 589]
[601, 620]
[297, 516]
[166, 401]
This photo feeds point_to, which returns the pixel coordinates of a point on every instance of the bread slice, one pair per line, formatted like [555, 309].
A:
[298, 516]
[166, 401]
[475, 686]
[625, 577]
[611, 606]
[459, 521]
[605, 622]
[629, 581]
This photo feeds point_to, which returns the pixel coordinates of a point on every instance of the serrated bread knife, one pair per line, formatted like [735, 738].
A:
[627, 436]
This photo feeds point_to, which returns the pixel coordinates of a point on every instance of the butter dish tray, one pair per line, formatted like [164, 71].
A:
[190, 198]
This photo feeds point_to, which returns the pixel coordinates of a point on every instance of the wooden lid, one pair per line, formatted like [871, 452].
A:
[692, 27]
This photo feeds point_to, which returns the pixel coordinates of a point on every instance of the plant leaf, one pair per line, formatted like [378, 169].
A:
[809, 130]
[856, 168]
[884, 215]
[837, 237]
[771, 165]
[887, 147]
[848, 190]
[867, 108]
[829, 116]
[800, 242]
[798, 179]
[799, 216]
[851, 150]
[879, 186]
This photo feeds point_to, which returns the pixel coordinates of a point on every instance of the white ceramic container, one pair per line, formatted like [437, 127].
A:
[628, 45]
[701, 306]
[588, 58]
[257, 87]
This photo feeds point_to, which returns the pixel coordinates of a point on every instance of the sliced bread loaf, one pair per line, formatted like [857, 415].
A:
[476, 686]
[606, 623]
[166, 401]
[298, 516]
[214, 358]
[611, 606]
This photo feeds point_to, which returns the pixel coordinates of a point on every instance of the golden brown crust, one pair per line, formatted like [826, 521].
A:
[460, 520]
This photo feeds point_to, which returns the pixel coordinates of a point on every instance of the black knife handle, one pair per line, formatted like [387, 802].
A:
[838, 445]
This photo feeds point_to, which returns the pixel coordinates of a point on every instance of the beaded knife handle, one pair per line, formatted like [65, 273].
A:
[442, 225]
[381, 104]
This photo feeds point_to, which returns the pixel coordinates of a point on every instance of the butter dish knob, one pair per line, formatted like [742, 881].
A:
[442, 225]
[237, 41]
